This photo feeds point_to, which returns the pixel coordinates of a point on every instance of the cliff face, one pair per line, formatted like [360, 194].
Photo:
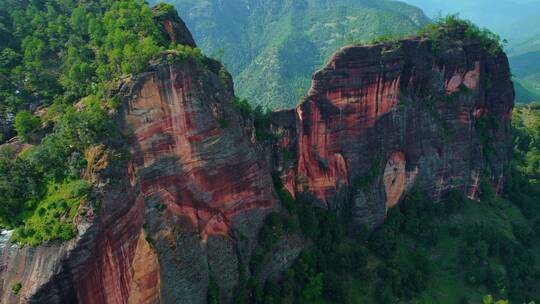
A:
[380, 120]
[185, 208]
[205, 187]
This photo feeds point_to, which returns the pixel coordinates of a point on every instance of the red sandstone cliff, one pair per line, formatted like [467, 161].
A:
[186, 206]
[381, 119]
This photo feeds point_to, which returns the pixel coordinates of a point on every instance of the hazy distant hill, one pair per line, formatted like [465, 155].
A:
[273, 46]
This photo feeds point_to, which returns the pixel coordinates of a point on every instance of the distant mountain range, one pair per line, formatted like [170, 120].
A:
[273, 46]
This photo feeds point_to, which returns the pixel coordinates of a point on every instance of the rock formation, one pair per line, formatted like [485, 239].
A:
[184, 203]
[382, 119]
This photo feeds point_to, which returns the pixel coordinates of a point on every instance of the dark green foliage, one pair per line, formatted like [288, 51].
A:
[212, 294]
[71, 49]
[260, 118]
[223, 123]
[54, 213]
[19, 184]
[261, 121]
[269, 234]
[243, 106]
[61, 52]
[16, 288]
[366, 180]
[151, 241]
[164, 9]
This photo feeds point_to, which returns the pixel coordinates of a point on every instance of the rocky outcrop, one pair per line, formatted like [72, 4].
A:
[205, 186]
[172, 27]
[382, 119]
[186, 207]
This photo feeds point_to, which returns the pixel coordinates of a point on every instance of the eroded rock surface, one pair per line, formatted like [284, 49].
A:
[186, 207]
[380, 120]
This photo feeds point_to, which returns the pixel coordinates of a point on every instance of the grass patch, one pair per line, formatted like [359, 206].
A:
[53, 216]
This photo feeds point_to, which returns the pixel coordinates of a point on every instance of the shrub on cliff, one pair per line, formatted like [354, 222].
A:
[25, 124]
[452, 27]
[53, 217]
[16, 288]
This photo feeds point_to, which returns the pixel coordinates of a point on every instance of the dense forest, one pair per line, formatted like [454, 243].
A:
[453, 251]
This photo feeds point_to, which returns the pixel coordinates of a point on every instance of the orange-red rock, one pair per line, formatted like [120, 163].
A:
[399, 116]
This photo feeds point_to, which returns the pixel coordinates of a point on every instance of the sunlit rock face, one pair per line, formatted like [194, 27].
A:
[395, 178]
[205, 186]
[381, 120]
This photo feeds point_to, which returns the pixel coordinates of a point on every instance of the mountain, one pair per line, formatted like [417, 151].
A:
[155, 183]
[270, 47]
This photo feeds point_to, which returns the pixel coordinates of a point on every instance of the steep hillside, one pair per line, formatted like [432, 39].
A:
[271, 47]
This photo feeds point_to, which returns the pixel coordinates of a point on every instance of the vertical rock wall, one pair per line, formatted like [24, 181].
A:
[380, 120]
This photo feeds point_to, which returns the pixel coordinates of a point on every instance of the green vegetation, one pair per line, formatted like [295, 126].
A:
[365, 181]
[54, 215]
[456, 251]
[260, 118]
[272, 48]
[452, 27]
[213, 292]
[63, 57]
[526, 124]
[43, 186]
[60, 51]
[16, 288]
